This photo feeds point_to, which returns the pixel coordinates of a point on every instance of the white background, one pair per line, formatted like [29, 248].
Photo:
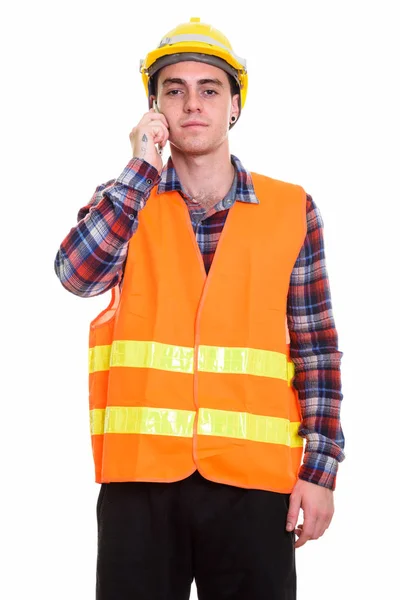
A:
[323, 112]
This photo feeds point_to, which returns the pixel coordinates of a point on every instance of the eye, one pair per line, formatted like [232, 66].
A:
[173, 92]
[210, 92]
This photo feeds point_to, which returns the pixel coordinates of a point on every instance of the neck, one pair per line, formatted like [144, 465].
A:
[206, 178]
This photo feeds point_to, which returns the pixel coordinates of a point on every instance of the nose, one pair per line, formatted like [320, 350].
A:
[192, 102]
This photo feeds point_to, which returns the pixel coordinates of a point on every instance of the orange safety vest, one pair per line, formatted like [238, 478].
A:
[189, 371]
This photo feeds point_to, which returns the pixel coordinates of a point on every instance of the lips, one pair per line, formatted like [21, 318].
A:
[193, 124]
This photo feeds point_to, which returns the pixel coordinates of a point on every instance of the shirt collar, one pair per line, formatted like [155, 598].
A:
[244, 191]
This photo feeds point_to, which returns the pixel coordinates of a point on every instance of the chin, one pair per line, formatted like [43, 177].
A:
[195, 147]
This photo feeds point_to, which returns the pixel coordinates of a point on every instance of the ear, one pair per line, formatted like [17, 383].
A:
[235, 111]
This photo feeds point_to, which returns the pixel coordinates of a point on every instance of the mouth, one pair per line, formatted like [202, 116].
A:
[194, 124]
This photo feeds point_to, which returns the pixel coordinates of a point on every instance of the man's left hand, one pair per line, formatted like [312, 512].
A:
[317, 504]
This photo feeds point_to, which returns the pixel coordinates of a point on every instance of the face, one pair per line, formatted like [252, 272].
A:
[197, 102]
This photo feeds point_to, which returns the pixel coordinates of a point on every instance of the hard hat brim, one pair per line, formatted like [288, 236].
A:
[172, 59]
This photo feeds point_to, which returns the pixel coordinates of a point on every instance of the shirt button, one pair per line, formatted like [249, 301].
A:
[149, 181]
[131, 217]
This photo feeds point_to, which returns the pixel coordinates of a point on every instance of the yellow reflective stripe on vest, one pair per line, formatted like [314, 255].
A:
[212, 359]
[150, 355]
[137, 419]
[290, 371]
[222, 423]
[97, 416]
[246, 361]
[99, 358]
[246, 426]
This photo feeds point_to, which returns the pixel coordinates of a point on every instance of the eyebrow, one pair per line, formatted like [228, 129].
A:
[178, 80]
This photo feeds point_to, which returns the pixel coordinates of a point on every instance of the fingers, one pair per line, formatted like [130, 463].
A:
[152, 119]
[305, 532]
[314, 527]
[158, 124]
[152, 113]
[293, 512]
[159, 133]
[154, 129]
[317, 505]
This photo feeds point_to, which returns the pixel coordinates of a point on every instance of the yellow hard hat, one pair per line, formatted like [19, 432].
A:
[199, 42]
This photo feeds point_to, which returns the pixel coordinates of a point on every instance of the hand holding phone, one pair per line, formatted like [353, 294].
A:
[149, 137]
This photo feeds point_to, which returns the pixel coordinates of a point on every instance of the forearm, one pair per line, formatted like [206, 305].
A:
[91, 258]
[317, 359]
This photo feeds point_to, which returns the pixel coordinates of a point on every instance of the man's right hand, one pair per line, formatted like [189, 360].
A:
[152, 129]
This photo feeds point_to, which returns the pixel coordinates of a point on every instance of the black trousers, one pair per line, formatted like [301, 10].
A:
[154, 539]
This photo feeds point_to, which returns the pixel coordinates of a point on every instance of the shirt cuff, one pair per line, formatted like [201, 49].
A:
[139, 175]
[319, 469]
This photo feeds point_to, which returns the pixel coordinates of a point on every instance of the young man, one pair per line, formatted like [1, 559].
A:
[217, 356]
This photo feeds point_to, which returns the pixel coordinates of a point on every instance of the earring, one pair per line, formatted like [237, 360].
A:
[233, 119]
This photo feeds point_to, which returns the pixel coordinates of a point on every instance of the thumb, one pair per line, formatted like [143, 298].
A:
[293, 513]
